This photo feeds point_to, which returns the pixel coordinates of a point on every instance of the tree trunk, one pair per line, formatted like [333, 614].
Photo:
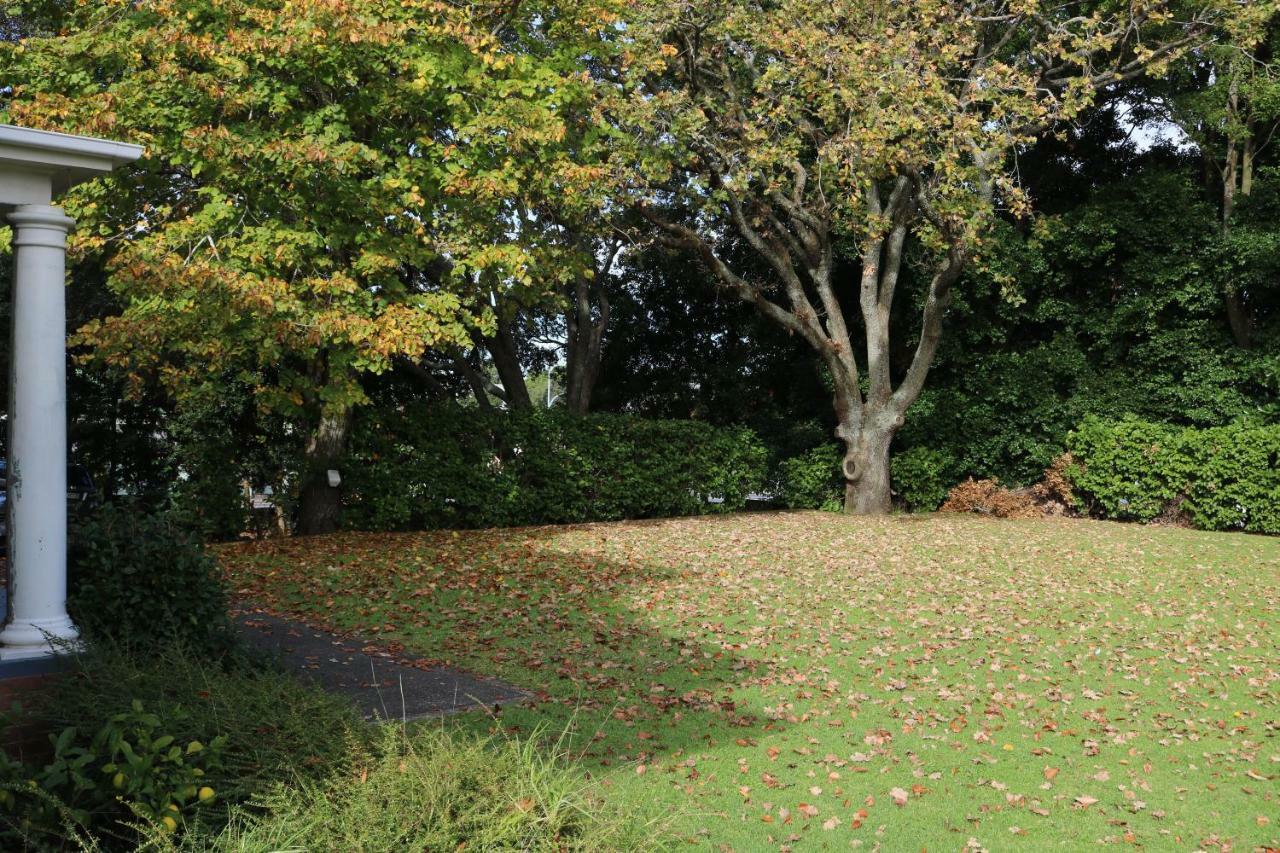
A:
[1239, 317]
[867, 474]
[506, 359]
[320, 504]
[584, 345]
[865, 466]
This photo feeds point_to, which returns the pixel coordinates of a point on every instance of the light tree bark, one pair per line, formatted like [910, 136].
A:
[796, 243]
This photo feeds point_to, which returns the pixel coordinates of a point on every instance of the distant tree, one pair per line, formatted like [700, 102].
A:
[1226, 98]
[876, 129]
[538, 325]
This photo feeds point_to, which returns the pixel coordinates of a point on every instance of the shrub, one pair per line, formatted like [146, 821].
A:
[920, 476]
[446, 466]
[986, 497]
[141, 581]
[1221, 478]
[1236, 484]
[129, 769]
[276, 727]
[1054, 492]
[1129, 469]
[256, 729]
[438, 791]
[812, 480]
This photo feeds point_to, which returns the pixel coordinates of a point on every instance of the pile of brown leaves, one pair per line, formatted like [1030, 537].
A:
[1052, 496]
[987, 497]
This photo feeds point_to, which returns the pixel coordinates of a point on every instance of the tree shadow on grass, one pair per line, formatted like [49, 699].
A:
[545, 608]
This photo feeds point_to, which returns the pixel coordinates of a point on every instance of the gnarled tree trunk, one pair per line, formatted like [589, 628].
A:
[868, 488]
[797, 244]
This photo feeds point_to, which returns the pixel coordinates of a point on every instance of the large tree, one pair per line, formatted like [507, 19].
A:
[869, 129]
[324, 186]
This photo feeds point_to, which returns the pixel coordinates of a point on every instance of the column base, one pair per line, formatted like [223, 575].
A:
[34, 639]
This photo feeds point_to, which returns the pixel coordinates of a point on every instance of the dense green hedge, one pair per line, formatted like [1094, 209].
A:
[143, 581]
[446, 466]
[812, 480]
[1221, 478]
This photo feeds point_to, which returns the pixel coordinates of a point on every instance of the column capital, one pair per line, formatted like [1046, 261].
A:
[40, 225]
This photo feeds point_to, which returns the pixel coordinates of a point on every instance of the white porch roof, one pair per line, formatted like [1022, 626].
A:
[38, 165]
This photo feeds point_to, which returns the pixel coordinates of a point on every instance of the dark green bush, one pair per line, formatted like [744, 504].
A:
[446, 466]
[921, 477]
[1221, 478]
[812, 480]
[142, 581]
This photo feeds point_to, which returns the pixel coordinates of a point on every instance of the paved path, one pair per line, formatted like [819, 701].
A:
[383, 687]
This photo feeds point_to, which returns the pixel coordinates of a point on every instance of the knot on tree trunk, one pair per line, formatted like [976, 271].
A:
[852, 468]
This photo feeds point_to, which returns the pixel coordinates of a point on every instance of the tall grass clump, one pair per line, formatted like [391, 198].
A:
[428, 789]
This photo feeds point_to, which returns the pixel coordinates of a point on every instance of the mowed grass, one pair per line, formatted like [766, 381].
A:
[813, 682]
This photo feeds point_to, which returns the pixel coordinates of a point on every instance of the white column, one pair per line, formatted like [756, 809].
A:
[38, 437]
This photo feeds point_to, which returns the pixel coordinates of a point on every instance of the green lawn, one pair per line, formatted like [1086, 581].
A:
[815, 682]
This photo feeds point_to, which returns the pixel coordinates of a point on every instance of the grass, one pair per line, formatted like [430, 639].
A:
[436, 791]
[301, 771]
[810, 681]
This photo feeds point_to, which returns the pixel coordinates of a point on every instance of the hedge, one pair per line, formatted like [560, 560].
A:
[1220, 478]
[447, 466]
[812, 480]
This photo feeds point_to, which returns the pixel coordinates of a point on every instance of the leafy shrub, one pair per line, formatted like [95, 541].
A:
[1221, 478]
[920, 476]
[446, 466]
[276, 728]
[1237, 478]
[142, 581]
[812, 480]
[438, 791]
[986, 497]
[255, 729]
[1130, 469]
[128, 770]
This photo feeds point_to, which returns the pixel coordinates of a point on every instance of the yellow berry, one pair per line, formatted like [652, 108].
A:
[169, 823]
[206, 794]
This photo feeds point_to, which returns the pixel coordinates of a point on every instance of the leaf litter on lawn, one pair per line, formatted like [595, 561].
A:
[1033, 683]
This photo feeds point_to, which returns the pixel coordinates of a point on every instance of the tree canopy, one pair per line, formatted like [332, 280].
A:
[916, 226]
